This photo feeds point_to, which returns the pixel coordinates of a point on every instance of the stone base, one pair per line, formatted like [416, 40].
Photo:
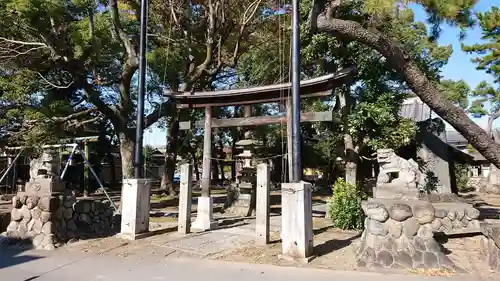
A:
[135, 207]
[389, 191]
[295, 259]
[47, 220]
[399, 234]
[44, 186]
[241, 204]
[204, 215]
[490, 245]
[297, 229]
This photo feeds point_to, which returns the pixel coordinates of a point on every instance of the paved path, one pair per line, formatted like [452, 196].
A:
[60, 266]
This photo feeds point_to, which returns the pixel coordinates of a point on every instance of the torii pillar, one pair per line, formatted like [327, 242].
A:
[204, 215]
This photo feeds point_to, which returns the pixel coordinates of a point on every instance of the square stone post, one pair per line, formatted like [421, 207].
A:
[135, 208]
[297, 229]
[263, 204]
[204, 215]
[184, 221]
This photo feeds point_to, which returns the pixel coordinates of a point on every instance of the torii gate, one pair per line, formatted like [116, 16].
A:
[317, 87]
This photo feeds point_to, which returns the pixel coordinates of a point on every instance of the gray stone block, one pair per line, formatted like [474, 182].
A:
[376, 228]
[430, 260]
[410, 227]
[375, 211]
[385, 259]
[400, 212]
[424, 213]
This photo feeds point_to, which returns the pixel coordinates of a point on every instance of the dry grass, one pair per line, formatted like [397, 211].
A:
[432, 272]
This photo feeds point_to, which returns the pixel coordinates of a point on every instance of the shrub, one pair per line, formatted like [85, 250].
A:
[462, 177]
[345, 206]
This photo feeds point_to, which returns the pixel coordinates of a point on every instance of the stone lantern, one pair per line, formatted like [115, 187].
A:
[242, 194]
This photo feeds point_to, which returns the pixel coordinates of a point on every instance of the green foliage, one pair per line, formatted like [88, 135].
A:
[456, 91]
[345, 206]
[489, 56]
[462, 177]
[431, 182]
[380, 124]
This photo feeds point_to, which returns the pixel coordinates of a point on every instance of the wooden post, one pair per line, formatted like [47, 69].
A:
[247, 111]
[184, 221]
[207, 153]
[263, 204]
[86, 171]
[289, 137]
[204, 215]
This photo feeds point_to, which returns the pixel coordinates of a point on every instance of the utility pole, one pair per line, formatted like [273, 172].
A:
[138, 157]
[296, 153]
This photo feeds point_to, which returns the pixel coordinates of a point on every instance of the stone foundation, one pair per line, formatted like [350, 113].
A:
[47, 220]
[241, 201]
[490, 245]
[400, 234]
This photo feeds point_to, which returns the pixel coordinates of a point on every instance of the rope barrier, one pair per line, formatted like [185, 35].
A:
[236, 160]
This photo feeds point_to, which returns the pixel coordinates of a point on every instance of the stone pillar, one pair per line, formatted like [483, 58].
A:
[490, 245]
[263, 204]
[184, 221]
[204, 215]
[135, 208]
[297, 230]
[434, 152]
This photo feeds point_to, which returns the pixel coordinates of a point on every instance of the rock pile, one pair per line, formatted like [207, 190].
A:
[45, 221]
[400, 234]
[490, 245]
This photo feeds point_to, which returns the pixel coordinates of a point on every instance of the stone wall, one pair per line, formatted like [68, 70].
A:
[47, 221]
[400, 233]
[490, 245]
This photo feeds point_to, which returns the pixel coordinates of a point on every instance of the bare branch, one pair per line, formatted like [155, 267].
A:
[73, 115]
[78, 124]
[18, 53]
[23, 42]
[54, 85]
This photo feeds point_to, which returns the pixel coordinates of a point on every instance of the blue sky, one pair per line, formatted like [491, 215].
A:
[458, 67]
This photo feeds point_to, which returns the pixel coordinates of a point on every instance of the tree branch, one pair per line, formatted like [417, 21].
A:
[118, 30]
[161, 111]
[73, 115]
[416, 79]
[54, 85]
[39, 44]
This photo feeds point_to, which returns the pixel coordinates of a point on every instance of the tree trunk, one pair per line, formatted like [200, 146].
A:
[350, 155]
[170, 157]
[112, 165]
[127, 143]
[233, 162]
[195, 164]
[222, 164]
[414, 76]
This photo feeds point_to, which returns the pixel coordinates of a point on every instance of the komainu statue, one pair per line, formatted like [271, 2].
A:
[46, 166]
[398, 177]
[45, 174]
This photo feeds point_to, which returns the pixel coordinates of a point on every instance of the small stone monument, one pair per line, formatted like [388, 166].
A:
[45, 174]
[242, 196]
[397, 178]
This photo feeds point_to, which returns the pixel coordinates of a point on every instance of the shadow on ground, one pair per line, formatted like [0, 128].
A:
[11, 253]
[332, 245]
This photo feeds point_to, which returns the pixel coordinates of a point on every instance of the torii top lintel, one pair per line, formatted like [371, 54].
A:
[315, 87]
